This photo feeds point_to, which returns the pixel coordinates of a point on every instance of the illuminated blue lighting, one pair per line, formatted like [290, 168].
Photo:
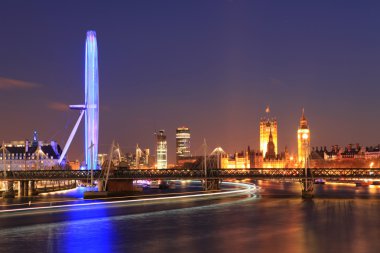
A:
[82, 231]
[91, 101]
[245, 188]
[90, 108]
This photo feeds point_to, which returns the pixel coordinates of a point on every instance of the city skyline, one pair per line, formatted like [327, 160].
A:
[219, 90]
[189, 126]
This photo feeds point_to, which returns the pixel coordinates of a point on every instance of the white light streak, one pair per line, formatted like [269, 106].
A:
[247, 189]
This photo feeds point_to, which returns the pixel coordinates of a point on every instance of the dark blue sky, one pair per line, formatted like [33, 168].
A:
[209, 65]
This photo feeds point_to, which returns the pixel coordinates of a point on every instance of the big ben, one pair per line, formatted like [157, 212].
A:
[303, 135]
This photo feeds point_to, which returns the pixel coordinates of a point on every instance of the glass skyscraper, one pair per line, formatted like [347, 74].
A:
[162, 150]
[182, 143]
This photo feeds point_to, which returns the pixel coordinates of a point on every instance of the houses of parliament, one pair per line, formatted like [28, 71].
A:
[353, 155]
[268, 156]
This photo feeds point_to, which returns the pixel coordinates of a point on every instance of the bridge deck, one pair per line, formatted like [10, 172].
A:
[254, 173]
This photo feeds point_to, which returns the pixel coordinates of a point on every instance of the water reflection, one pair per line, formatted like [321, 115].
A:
[276, 220]
[87, 234]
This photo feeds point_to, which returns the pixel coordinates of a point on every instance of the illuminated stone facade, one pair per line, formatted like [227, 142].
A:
[283, 160]
[267, 126]
[303, 137]
[25, 155]
[271, 153]
[275, 164]
[237, 161]
[351, 156]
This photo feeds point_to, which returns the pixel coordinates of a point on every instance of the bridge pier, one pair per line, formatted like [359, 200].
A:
[9, 191]
[211, 184]
[307, 188]
[31, 190]
[121, 185]
[26, 188]
[307, 184]
[101, 185]
[20, 190]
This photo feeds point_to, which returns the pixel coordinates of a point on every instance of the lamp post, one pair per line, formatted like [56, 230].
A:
[4, 164]
[205, 163]
[4, 153]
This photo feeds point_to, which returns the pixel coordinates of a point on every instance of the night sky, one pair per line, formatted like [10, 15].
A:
[210, 65]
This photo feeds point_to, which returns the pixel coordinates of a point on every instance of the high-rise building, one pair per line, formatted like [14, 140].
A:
[138, 156]
[142, 158]
[182, 143]
[268, 126]
[303, 135]
[162, 150]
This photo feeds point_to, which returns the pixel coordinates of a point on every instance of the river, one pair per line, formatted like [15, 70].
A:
[341, 218]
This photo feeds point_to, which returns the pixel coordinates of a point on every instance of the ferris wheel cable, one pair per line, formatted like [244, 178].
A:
[69, 120]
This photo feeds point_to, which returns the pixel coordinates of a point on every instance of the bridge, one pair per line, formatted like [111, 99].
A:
[178, 174]
[211, 177]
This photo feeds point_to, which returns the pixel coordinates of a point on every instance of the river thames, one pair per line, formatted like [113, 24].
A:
[341, 218]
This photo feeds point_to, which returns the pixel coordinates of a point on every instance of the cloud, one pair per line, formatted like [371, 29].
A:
[58, 106]
[10, 84]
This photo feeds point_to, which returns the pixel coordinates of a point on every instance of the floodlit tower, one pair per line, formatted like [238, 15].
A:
[268, 126]
[182, 143]
[303, 135]
[162, 150]
[270, 154]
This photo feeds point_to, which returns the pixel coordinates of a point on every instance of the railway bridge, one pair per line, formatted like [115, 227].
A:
[210, 177]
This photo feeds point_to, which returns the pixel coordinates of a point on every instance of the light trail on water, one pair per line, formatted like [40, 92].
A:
[247, 188]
